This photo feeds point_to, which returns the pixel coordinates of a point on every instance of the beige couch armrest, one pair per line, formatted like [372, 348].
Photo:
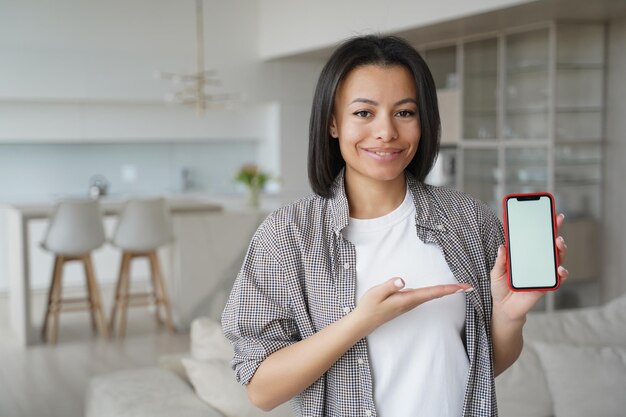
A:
[143, 392]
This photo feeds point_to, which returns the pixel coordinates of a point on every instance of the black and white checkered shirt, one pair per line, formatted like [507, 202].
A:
[299, 276]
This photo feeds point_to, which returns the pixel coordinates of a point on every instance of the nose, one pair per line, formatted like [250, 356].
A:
[386, 129]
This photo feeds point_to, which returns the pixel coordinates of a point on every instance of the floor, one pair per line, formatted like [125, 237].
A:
[51, 381]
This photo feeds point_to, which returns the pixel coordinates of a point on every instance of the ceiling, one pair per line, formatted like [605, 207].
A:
[526, 14]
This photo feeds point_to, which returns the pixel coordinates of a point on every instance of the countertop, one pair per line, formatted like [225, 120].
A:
[112, 205]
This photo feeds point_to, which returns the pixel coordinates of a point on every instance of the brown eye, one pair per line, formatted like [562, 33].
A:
[406, 113]
[362, 113]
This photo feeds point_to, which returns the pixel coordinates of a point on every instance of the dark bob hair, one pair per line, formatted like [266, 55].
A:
[325, 160]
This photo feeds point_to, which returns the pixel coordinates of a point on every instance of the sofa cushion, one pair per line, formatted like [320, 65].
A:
[585, 381]
[594, 326]
[215, 383]
[522, 390]
[208, 340]
[173, 363]
[145, 392]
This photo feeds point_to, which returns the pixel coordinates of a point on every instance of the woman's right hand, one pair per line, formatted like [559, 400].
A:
[389, 300]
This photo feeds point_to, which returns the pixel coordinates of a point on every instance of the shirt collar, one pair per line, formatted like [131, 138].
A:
[425, 215]
[339, 203]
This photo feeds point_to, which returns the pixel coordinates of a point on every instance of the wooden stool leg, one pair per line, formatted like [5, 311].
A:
[90, 297]
[124, 296]
[55, 307]
[94, 297]
[53, 283]
[118, 288]
[156, 293]
[161, 291]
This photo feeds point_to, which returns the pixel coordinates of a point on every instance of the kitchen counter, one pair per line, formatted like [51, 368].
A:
[113, 205]
[199, 267]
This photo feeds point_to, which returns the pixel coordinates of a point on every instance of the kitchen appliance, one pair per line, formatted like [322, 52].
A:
[98, 186]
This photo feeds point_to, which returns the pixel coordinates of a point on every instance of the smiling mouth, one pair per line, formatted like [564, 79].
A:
[384, 155]
[388, 152]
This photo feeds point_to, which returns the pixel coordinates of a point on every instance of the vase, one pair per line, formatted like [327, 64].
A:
[253, 197]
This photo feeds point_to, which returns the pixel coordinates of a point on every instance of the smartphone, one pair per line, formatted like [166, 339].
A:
[530, 232]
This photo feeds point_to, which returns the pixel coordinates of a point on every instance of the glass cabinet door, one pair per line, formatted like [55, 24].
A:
[442, 62]
[481, 175]
[526, 170]
[578, 180]
[442, 65]
[579, 82]
[526, 95]
[580, 69]
[480, 89]
[532, 120]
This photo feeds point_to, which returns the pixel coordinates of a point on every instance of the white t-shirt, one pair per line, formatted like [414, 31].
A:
[418, 359]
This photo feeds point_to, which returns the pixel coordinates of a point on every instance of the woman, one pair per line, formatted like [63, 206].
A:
[373, 296]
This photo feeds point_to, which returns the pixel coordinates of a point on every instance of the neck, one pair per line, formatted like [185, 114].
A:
[369, 199]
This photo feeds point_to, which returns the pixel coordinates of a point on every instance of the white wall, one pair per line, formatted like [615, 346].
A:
[614, 230]
[84, 69]
[81, 71]
[94, 50]
[297, 85]
[288, 27]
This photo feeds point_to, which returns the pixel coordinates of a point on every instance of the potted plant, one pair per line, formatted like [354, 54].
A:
[254, 179]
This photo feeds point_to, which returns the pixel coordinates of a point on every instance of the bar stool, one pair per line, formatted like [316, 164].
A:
[144, 225]
[74, 231]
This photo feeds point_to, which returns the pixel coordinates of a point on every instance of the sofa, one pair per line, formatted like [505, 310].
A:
[193, 384]
[573, 364]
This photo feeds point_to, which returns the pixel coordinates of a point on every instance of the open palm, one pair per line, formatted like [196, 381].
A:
[514, 304]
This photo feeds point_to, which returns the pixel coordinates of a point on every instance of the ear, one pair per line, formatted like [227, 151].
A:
[333, 128]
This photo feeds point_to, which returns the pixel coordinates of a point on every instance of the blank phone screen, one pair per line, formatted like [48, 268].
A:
[531, 242]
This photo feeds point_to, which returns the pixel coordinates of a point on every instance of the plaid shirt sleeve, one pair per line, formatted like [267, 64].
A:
[258, 319]
[492, 235]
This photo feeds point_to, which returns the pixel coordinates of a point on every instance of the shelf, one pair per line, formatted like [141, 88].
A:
[526, 110]
[576, 183]
[575, 67]
[527, 164]
[574, 162]
[542, 183]
[520, 72]
[526, 68]
[480, 181]
[579, 109]
[582, 141]
[482, 144]
[480, 112]
[477, 75]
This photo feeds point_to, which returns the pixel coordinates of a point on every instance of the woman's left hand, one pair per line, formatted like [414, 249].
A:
[514, 305]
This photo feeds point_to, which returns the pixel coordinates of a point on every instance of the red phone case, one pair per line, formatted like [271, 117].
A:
[506, 237]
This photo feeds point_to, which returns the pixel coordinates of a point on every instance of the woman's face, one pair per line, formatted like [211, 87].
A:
[375, 120]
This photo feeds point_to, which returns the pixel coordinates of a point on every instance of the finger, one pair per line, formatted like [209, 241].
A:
[417, 296]
[559, 220]
[562, 248]
[499, 267]
[563, 273]
[389, 287]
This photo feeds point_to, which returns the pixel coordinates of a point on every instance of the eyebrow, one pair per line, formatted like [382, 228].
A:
[375, 103]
